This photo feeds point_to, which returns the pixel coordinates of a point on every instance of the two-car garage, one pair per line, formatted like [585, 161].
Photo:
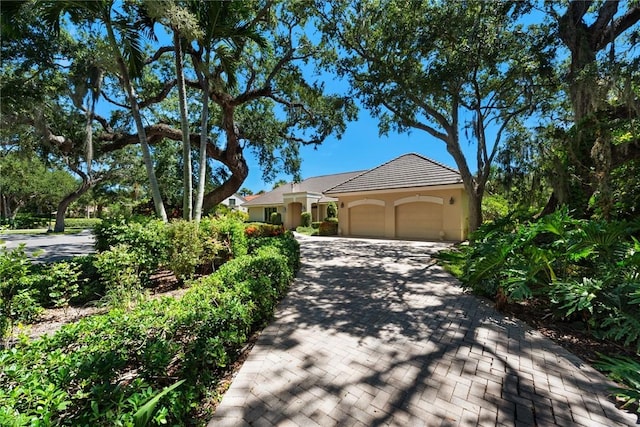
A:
[421, 219]
[410, 197]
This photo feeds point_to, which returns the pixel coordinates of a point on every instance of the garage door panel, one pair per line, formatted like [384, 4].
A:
[366, 220]
[419, 220]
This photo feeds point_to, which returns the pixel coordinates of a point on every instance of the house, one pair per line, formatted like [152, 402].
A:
[409, 197]
[292, 199]
[235, 202]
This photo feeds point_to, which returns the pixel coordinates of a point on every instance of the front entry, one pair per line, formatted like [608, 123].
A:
[294, 215]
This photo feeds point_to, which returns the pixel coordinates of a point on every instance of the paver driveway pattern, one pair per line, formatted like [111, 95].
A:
[375, 333]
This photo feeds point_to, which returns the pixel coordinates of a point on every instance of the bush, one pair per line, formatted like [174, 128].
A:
[588, 270]
[26, 221]
[332, 210]
[309, 231]
[18, 298]
[82, 222]
[103, 369]
[328, 228]
[259, 229]
[187, 248]
[306, 219]
[147, 240]
[59, 283]
[316, 224]
[623, 370]
[276, 218]
[119, 270]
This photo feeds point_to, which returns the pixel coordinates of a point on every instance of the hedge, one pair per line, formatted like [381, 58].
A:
[102, 369]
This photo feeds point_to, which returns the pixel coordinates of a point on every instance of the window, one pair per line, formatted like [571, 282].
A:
[268, 212]
[232, 202]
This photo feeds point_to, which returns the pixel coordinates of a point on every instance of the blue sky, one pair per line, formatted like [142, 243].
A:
[360, 148]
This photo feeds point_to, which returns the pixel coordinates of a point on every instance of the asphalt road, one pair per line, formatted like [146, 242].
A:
[51, 247]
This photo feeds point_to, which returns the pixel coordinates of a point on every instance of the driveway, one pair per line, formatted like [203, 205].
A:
[52, 247]
[374, 333]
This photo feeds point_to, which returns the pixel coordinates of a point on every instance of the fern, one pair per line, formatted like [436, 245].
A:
[626, 371]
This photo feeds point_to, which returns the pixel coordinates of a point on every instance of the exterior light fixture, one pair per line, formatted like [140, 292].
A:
[342, 204]
[452, 200]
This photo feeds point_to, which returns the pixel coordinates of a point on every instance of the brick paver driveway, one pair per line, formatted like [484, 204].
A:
[375, 333]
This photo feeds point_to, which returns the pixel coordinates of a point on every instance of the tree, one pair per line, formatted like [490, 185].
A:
[457, 71]
[279, 183]
[129, 24]
[260, 99]
[603, 101]
[244, 191]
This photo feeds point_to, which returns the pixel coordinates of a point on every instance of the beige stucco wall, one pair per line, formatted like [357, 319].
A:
[454, 217]
[256, 213]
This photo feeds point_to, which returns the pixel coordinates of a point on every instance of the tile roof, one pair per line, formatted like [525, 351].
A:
[316, 184]
[407, 171]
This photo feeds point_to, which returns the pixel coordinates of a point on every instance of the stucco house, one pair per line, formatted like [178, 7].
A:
[409, 197]
[293, 198]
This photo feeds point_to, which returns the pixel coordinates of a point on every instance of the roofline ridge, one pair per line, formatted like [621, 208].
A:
[435, 162]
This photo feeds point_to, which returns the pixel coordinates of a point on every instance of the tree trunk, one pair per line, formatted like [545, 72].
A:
[204, 132]
[86, 184]
[239, 172]
[135, 112]
[187, 199]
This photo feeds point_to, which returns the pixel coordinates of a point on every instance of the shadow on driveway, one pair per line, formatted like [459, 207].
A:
[375, 333]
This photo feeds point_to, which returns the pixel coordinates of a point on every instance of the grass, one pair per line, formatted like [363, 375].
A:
[309, 231]
[452, 261]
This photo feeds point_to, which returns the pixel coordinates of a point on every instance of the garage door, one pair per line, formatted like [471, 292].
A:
[419, 220]
[366, 220]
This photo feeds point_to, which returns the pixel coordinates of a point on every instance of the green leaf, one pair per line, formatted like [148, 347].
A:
[145, 413]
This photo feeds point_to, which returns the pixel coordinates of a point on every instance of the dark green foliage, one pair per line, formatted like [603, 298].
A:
[18, 297]
[316, 224]
[332, 210]
[187, 248]
[588, 270]
[103, 370]
[26, 221]
[276, 218]
[306, 219]
[59, 283]
[286, 244]
[626, 371]
[147, 240]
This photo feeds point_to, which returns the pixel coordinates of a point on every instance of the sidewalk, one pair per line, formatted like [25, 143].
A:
[374, 333]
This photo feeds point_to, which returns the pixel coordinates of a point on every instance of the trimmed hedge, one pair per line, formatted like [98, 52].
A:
[102, 369]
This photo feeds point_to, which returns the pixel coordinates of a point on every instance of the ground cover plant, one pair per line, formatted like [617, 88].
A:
[585, 273]
[155, 360]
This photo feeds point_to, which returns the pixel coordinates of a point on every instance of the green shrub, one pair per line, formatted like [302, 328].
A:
[328, 228]
[229, 237]
[18, 297]
[147, 240]
[332, 210]
[26, 221]
[82, 222]
[305, 218]
[119, 270]
[588, 270]
[316, 224]
[285, 244]
[104, 369]
[276, 218]
[309, 231]
[186, 249]
[91, 287]
[626, 371]
[59, 283]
